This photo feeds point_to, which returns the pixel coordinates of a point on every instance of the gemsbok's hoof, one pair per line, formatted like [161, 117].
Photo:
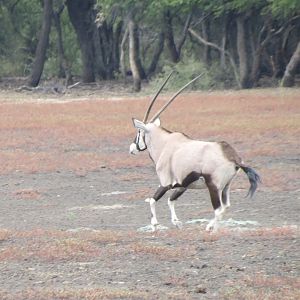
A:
[154, 227]
[212, 226]
[177, 223]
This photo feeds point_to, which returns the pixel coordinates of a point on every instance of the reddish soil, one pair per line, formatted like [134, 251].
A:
[73, 210]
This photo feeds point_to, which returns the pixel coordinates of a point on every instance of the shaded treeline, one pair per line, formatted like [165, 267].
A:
[104, 40]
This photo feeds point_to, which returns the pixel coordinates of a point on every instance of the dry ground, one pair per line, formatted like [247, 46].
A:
[73, 219]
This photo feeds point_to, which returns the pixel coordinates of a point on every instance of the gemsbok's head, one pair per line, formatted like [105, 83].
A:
[145, 126]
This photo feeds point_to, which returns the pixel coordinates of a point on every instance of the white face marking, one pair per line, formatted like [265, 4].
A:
[141, 139]
[133, 149]
[139, 143]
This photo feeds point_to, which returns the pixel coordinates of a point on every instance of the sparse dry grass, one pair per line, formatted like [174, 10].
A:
[73, 294]
[279, 179]
[159, 251]
[262, 287]
[48, 137]
[195, 234]
[53, 245]
[273, 232]
[140, 194]
[4, 234]
[87, 135]
[29, 194]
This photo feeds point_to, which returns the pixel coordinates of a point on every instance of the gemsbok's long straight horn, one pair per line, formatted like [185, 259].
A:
[173, 98]
[154, 98]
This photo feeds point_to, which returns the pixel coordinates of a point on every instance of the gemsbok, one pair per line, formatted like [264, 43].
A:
[183, 163]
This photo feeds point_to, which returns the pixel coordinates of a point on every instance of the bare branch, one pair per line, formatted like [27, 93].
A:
[173, 98]
[184, 33]
[215, 46]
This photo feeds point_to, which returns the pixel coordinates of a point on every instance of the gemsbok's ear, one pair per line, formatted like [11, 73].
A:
[139, 124]
[157, 122]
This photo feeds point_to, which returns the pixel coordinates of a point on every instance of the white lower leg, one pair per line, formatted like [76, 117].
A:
[154, 221]
[213, 225]
[174, 218]
[227, 204]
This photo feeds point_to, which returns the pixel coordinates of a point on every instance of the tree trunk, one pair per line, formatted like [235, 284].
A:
[255, 70]
[134, 55]
[123, 52]
[288, 79]
[116, 46]
[157, 52]
[40, 54]
[169, 35]
[242, 52]
[224, 43]
[80, 16]
[206, 35]
[99, 61]
[63, 66]
[184, 34]
[105, 33]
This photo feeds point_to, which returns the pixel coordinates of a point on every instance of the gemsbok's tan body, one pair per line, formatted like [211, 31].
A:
[183, 163]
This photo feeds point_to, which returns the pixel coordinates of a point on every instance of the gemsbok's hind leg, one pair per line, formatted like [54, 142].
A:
[171, 202]
[152, 201]
[225, 196]
[216, 198]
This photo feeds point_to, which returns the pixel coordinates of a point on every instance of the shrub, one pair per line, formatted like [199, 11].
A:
[214, 77]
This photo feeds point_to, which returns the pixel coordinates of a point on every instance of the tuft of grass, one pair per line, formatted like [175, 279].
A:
[55, 245]
[64, 249]
[29, 194]
[196, 234]
[73, 294]
[284, 231]
[158, 251]
[141, 194]
[263, 287]
[4, 234]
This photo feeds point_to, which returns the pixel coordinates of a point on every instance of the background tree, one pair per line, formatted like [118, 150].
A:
[81, 17]
[40, 54]
[237, 43]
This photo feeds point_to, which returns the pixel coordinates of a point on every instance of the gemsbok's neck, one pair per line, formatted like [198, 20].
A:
[156, 140]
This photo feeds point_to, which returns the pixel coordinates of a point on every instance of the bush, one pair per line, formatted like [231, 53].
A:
[214, 77]
[184, 71]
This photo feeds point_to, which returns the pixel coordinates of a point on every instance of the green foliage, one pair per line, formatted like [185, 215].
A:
[20, 22]
[222, 78]
[285, 8]
[18, 35]
[185, 71]
[214, 76]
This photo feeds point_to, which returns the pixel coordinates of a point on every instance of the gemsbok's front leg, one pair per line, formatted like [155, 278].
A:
[152, 201]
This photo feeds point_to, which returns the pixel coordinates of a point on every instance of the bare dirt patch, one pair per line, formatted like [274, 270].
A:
[74, 221]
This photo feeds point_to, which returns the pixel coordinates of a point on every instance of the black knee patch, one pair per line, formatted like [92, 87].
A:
[160, 192]
[193, 176]
[177, 194]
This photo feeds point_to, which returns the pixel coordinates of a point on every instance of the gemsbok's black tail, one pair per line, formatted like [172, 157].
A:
[254, 179]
